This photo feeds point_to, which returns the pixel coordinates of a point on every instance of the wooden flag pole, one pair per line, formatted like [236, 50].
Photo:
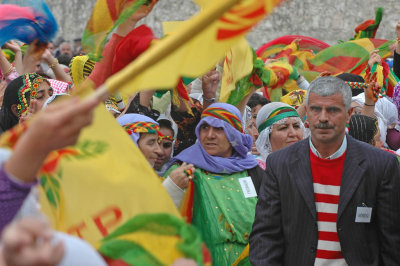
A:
[164, 47]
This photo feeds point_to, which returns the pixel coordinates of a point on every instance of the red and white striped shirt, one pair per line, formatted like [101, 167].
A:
[327, 176]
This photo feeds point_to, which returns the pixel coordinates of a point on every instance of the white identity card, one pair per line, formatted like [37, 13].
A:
[363, 214]
[249, 191]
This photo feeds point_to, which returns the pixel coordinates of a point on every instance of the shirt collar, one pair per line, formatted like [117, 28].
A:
[335, 155]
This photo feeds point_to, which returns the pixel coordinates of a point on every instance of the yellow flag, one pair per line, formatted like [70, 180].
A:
[238, 63]
[194, 48]
[91, 188]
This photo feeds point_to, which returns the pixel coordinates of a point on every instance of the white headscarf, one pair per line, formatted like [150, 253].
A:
[263, 143]
[385, 111]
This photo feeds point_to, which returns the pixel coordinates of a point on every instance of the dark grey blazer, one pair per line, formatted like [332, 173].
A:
[285, 228]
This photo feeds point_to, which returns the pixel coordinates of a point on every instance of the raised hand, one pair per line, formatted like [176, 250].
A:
[374, 57]
[182, 174]
[13, 46]
[210, 83]
[29, 242]
[373, 89]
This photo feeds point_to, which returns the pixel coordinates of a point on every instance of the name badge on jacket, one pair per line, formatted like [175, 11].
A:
[249, 191]
[363, 214]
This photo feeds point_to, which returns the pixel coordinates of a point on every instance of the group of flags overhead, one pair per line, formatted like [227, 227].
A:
[103, 182]
[104, 173]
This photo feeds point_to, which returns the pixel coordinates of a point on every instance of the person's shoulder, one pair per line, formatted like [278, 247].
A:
[370, 152]
[292, 150]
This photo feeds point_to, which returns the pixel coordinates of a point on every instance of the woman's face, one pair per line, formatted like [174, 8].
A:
[42, 94]
[214, 141]
[148, 145]
[166, 148]
[285, 133]
[357, 108]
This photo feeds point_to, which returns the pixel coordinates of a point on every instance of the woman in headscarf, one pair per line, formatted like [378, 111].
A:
[279, 126]
[365, 128]
[226, 182]
[145, 133]
[18, 95]
[384, 110]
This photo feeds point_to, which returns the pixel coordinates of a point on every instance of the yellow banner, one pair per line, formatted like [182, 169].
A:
[91, 188]
[238, 63]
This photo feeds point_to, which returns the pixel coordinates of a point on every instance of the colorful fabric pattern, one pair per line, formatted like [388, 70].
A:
[368, 28]
[294, 98]
[31, 83]
[277, 45]
[142, 127]
[224, 115]
[26, 21]
[349, 57]
[222, 214]
[271, 76]
[170, 138]
[154, 239]
[59, 87]
[80, 68]
[357, 85]
[106, 16]
[277, 115]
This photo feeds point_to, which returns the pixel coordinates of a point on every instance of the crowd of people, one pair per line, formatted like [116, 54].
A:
[312, 182]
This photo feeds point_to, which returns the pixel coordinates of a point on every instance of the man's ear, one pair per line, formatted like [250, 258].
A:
[14, 109]
[350, 113]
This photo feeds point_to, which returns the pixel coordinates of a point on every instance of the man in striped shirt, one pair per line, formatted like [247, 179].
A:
[329, 199]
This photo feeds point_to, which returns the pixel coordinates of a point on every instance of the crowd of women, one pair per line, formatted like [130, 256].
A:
[219, 148]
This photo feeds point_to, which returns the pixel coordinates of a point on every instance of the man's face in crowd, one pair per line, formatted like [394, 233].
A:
[65, 48]
[166, 149]
[328, 117]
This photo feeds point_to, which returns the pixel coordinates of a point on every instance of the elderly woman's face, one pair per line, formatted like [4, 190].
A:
[285, 133]
[148, 145]
[214, 141]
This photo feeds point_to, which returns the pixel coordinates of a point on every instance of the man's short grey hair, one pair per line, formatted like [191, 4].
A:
[327, 86]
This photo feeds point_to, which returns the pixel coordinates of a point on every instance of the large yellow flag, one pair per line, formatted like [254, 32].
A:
[94, 187]
[194, 48]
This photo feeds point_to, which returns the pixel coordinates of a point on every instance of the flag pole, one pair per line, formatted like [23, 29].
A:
[164, 47]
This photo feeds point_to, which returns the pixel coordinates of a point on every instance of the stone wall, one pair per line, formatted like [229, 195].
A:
[326, 20]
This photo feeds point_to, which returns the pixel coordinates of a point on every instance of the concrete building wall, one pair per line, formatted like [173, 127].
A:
[326, 20]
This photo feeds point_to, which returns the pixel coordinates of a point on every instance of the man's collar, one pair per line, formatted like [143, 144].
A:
[335, 155]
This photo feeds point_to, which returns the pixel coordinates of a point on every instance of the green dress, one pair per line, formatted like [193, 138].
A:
[222, 214]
